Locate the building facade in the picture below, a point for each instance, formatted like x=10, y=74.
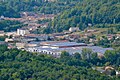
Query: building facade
x=22, y=32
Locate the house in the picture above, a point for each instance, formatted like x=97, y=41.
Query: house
x=108, y=67
x=91, y=30
x=32, y=26
x=67, y=32
x=92, y=40
x=110, y=36
x=20, y=45
x=2, y=18
x=11, y=46
x=56, y=36
x=9, y=40
x=26, y=14
x=50, y=0
x=43, y=25
x=118, y=36
x=50, y=16
x=33, y=44
x=118, y=73
x=47, y=16
x=39, y=37
x=105, y=70
x=100, y=69
x=74, y=37
x=10, y=33
x=74, y=29
x=22, y=32
x=25, y=40
x=59, y=37
x=2, y=33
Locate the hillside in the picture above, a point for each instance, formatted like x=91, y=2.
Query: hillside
x=72, y=13
x=38, y=46
x=95, y=12
x=13, y=8
x=8, y=25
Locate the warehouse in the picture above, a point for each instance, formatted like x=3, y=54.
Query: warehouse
x=70, y=50
x=61, y=44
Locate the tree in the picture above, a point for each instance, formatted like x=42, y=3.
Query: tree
x=94, y=58
x=86, y=53
x=113, y=72
x=118, y=61
x=64, y=54
x=110, y=56
x=77, y=56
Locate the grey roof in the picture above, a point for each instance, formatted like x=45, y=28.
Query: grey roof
x=76, y=49
x=64, y=44
x=99, y=49
x=67, y=44
x=33, y=42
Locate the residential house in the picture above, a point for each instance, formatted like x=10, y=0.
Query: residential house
x=91, y=30
x=74, y=37
x=74, y=29
x=110, y=36
x=22, y=32
x=39, y=37
x=44, y=25
x=11, y=46
x=2, y=18
x=33, y=44
x=10, y=33
x=20, y=45
x=2, y=33
x=118, y=73
x=9, y=40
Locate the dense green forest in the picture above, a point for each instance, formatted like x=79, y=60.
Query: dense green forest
x=12, y=8
x=98, y=13
x=9, y=26
x=21, y=65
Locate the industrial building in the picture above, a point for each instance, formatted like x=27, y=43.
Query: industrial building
x=61, y=44
x=55, y=48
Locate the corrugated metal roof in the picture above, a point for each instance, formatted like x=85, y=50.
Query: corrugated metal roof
x=61, y=43
x=75, y=49
x=67, y=44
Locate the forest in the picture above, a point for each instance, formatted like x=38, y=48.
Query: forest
x=89, y=13
x=13, y=8
x=9, y=26
x=21, y=65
